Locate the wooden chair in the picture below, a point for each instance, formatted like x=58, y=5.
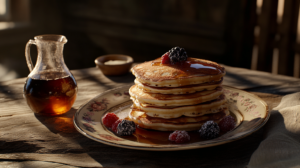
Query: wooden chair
x=275, y=47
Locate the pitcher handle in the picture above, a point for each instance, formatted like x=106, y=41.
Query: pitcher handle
x=27, y=54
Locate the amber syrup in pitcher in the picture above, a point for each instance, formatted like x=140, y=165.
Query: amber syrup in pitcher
x=50, y=97
x=50, y=88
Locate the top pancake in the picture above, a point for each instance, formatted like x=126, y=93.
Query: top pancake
x=192, y=71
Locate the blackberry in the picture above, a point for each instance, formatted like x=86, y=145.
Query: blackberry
x=177, y=54
x=125, y=127
x=209, y=130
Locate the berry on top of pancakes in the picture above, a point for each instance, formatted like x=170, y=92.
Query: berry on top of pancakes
x=176, y=54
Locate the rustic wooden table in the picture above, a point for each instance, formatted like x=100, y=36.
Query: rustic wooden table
x=27, y=140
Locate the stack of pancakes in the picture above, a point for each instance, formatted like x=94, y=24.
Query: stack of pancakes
x=180, y=96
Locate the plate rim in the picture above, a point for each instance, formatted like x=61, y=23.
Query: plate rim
x=171, y=148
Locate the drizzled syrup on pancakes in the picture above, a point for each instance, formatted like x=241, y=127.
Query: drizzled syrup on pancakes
x=192, y=67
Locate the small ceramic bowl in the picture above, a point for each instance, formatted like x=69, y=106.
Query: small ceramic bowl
x=115, y=67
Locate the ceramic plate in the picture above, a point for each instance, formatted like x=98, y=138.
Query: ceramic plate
x=251, y=113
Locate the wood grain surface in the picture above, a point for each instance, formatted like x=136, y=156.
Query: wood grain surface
x=29, y=140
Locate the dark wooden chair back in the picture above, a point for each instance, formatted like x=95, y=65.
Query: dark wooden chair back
x=275, y=47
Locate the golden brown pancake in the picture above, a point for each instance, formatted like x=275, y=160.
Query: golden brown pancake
x=190, y=72
x=181, y=123
x=178, y=90
x=150, y=99
x=213, y=106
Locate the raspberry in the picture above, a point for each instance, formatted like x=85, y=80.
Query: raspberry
x=209, y=130
x=173, y=136
x=179, y=137
x=227, y=124
x=115, y=125
x=109, y=119
x=125, y=127
x=165, y=59
x=177, y=54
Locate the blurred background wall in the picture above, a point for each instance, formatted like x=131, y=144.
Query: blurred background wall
x=218, y=30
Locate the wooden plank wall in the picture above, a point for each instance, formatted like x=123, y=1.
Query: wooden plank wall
x=209, y=29
x=218, y=30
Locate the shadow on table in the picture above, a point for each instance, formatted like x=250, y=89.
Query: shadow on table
x=62, y=124
x=284, y=89
x=256, y=83
x=12, y=91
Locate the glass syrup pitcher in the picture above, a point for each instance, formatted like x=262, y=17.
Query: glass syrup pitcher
x=50, y=88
